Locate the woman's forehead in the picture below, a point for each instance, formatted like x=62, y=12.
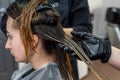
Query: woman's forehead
x=10, y=24
x=9, y=21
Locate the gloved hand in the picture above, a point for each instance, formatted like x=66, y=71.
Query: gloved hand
x=94, y=47
x=68, y=50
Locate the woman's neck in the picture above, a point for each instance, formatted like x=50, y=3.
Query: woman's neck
x=39, y=60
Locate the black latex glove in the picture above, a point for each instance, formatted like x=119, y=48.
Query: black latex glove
x=68, y=50
x=94, y=47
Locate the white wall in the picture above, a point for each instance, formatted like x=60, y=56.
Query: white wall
x=99, y=11
x=93, y=4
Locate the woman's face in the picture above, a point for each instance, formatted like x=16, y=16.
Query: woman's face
x=14, y=43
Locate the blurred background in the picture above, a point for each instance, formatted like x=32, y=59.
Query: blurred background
x=105, y=16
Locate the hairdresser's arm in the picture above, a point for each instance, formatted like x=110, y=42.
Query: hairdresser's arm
x=79, y=15
x=115, y=58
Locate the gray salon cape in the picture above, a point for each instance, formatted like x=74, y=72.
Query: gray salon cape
x=49, y=71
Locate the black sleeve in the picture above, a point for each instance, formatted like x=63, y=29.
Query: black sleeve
x=79, y=15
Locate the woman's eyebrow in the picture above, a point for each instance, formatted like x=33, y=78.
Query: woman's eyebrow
x=7, y=31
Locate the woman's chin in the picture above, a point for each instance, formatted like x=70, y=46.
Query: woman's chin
x=21, y=61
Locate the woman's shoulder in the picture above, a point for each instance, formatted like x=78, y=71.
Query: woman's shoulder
x=50, y=72
x=18, y=73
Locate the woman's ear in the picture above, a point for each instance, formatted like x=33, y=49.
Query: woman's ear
x=36, y=40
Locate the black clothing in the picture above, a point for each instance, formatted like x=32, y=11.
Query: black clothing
x=74, y=13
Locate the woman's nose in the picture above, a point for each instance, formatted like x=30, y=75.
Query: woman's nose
x=7, y=45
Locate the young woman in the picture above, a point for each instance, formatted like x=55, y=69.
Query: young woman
x=45, y=60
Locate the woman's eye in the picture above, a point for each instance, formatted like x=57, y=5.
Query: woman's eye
x=9, y=36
